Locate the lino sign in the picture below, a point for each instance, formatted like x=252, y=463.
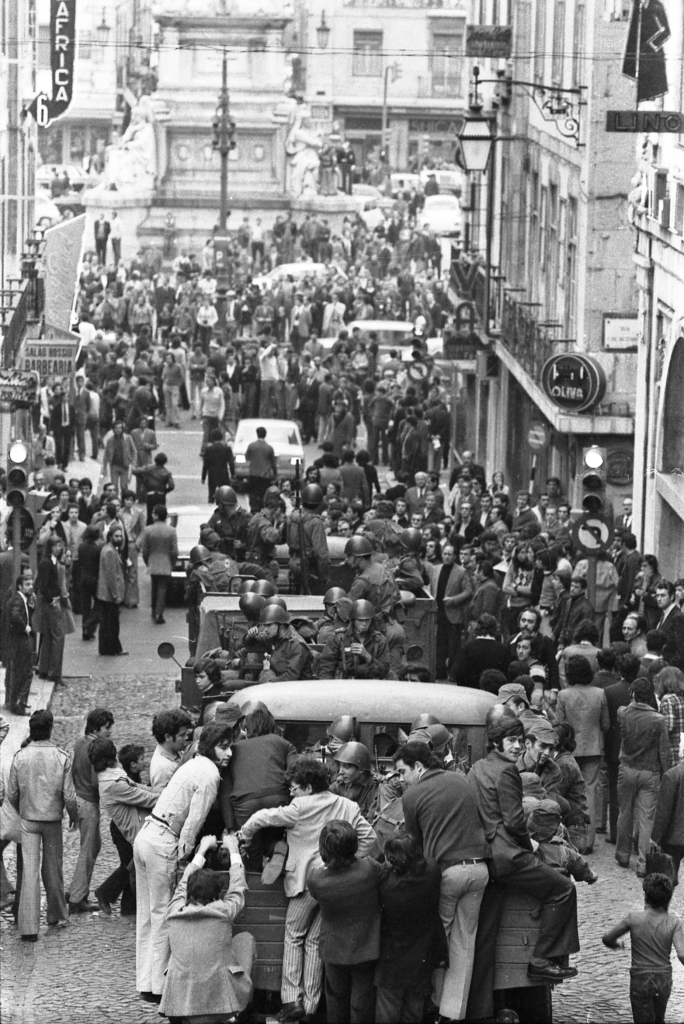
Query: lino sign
x=46, y=109
x=574, y=382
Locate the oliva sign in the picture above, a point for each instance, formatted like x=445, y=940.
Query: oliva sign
x=574, y=382
x=46, y=109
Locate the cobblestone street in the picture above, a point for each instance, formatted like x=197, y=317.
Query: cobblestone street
x=86, y=974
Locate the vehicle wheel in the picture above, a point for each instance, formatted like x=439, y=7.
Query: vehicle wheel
x=534, y=1005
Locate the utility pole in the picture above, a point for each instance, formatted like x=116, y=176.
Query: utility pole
x=393, y=70
x=223, y=140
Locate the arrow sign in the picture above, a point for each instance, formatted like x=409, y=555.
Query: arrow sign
x=45, y=109
x=592, y=534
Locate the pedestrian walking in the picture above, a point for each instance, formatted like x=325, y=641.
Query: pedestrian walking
x=111, y=588
x=119, y=457
x=157, y=481
x=159, y=549
x=263, y=468
x=89, y=571
x=99, y=725
x=50, y=619
x=19, y=674
x=40, y=788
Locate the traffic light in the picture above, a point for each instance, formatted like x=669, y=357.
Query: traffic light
x=216, y=133
x=231, y=133
x=17, y=474
x=593, y=479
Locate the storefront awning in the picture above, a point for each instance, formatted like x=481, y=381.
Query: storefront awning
x=561, y=421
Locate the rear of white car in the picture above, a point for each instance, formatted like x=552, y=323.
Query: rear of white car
x=283, y=436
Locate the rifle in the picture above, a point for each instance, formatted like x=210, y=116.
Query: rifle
x=304, y=585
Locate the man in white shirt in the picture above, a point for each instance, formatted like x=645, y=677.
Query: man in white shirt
x=115, y=237
x=171, y=730
x=270, y=378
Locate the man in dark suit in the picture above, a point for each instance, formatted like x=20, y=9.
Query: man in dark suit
x=50, y=592
x=467, y=529
x=617, y=696
x=20, y=668
x=453, y=591
x=671, y=624
x=62, y=421
x=415, y=496
x=81, y=413
x=102, y=229
x=623, y=523
x=159, y=546
x=529, y=621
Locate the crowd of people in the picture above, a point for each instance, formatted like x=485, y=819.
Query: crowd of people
x=585, y=735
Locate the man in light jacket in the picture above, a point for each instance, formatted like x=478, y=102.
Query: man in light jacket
x=311, y=807
x=159, y=546
x=111, y=587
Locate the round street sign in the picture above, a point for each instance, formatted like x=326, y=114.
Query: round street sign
x=28, y=530
x=537, y=438
x=592, y=534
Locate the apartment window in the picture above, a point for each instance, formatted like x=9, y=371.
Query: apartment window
x=578, y=44
x=522, y=13
x=85, y=46
x=43, y=56
x=533, y=238
x=540, y=41
x=558, y=49
x=562, y=239
x=552, y=252
x=367, y=59
x=446, y=63
x=678, y=223
x=571, y=270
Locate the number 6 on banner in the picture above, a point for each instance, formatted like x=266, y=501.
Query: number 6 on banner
x=40, y=110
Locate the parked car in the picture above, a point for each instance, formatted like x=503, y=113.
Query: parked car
x=305, y=268
x=186, y=520
x=442, y=214
x=391, y=334
x=449, y=180
x=283, y=436
x=401, y=182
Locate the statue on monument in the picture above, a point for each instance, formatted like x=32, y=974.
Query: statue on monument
x=132, y=162
x=303, y=147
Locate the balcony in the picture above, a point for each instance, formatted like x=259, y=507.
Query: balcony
x=21, y=305
x=529, y=343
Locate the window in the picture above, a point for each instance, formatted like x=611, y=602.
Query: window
x=578, y=44
x=678, y=224
x=533, y=238
x=446, y=64
x=571, y=270
x=43, y=48
x=552, y=253
x=540, y=41
x=85, y=46
x=558, y=49
x=543, y=215
x=367, y=58
x=562, y=239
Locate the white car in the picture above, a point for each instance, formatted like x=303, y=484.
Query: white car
x=297, y=271
x=391, y=334
x=442, y=214
x=283, y=436
x=186, y=519
x=448, y=180
x=404, y=182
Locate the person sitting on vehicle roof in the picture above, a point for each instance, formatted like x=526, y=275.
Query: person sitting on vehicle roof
x=355, y=778
x=544, y=825
x=229, y=520
x=265, y=530
x=289, y=655
x=375, y=583
x=541, y=740
x=357, y=652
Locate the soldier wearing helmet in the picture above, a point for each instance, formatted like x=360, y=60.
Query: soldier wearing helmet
x=375, y=583
x=409, y=571
x=308, y=544
x=230, y=523
x=266, y=528
x=358, y=651
x=332, y=620
x=289, y=654
x=355, y=779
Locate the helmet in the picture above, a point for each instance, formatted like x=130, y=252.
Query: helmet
x=343, y=728
x=358, y=546
x=199, y=554
x=271, y=497
x=423, y=721
x=439, y=735
x=356, y=754
x=411, y=539
x=264, y=587
x=362, y=610
x=246, y=587
x=276, y=599
x=251, y=605
x=274, y=613
x=333, y=595
x=225, y=496
x=312, y=496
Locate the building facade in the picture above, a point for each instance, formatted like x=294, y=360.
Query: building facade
x=421, y=45
x=562, y=280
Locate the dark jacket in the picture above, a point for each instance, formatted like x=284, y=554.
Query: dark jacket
x=488, y=599
x=478, y=655
x=47, y=581
x=440, y=810
x=673, y=628
x=645, y=740
x=497, y=788
x=256, y=774
x=218, y=464
x=617, y=696
x=350, y=911
x=668, y=824
x=412, y=939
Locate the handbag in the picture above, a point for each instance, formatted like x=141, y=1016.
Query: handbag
x=660, y=863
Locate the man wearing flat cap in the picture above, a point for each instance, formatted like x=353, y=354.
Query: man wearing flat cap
x=541, y=740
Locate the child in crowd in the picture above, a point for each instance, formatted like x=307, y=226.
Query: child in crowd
x=653, y=931
x=544, y=825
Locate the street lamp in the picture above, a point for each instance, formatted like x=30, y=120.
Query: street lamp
x=477, y=139
x=323, y=33
x=103, y=30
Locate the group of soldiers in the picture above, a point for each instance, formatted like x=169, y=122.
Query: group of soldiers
x=360, y=635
